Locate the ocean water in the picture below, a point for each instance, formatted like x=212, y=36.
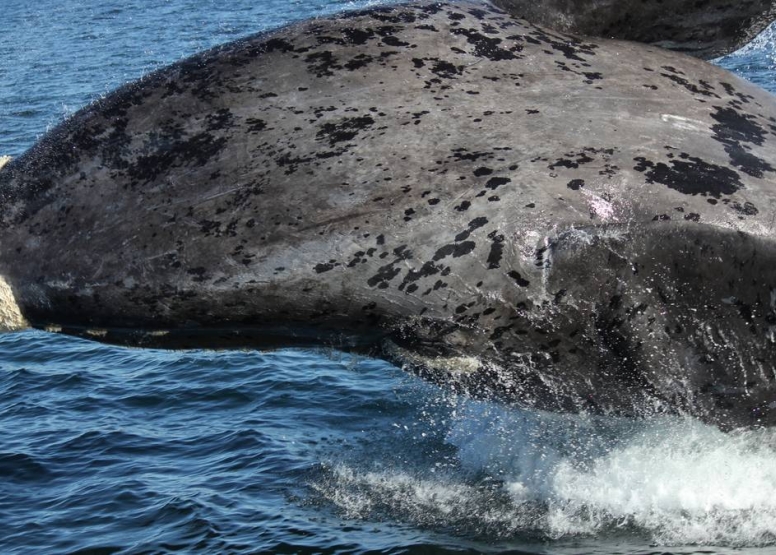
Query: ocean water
x=113, y=450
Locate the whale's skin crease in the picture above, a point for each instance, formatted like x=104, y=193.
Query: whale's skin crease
x=592, y=220
x=705, y=29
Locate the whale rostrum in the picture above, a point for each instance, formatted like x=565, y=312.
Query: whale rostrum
x=566, y=223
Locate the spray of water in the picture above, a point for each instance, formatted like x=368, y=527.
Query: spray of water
x=531, y=475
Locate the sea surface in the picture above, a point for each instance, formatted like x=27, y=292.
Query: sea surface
x=113, y=450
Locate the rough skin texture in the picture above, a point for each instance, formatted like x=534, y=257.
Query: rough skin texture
x=703, y=28
x=592, y=220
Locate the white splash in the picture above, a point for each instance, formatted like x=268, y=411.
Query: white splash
x=670, y=481
x=680, y=481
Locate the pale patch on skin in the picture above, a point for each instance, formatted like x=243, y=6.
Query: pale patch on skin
x=4, y=160
x=685, y=124
x=452, y=365
x=11, y=318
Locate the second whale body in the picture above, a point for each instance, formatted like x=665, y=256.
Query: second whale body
x=571, y=224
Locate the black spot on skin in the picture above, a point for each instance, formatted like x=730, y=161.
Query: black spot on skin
x=734, y=130
x=464, y=206
x=572, y=49
x=380, y=239
x=593, y=76
x=195, y=151
x=747, y=209
x=479, y=172
x=357, y=37
x=394, y=41
x=277, y=45
x=692, y=217
x=389, y=14
x=581, y=158
x=736, y=127
x=496, y=251
x=477, y=223
x=748, y=162
x=460, y=154
x=519, y=279
x=402, y=252
x=485, y=47
x=474, y=224
x=384, y=275
x=691, y=176
x=322, y=64
x=256, y=125
x=198, y=274
x=705, y=89
x=345, y=130
x=576, y=184
x=428, y=269
x=362, y=60
x=223, y=119
x=672, y=69
x=456, y=250
x=321, y=268
x=496, y=182
x=446, y=70
x=478, y=13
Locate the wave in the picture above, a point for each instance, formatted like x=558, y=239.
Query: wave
x=539, y=476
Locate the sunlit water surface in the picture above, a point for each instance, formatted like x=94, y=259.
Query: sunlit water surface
x=110, y=450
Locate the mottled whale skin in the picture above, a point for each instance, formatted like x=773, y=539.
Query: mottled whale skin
x=571, y=224
x=703, y=28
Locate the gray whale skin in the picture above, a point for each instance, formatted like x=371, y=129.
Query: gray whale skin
x=571, y=224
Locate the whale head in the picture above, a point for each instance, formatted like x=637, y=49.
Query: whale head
x=565, y=223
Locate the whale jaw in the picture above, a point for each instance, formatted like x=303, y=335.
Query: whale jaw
x=632, y=320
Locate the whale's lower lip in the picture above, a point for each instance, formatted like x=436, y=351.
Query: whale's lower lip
x=220, y=337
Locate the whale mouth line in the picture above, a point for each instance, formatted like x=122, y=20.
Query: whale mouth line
x=221, y=337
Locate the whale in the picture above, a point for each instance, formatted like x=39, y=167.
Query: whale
x=563, y=222
x=706, y=29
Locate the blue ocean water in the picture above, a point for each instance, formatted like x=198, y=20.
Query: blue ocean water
x=113, y=450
